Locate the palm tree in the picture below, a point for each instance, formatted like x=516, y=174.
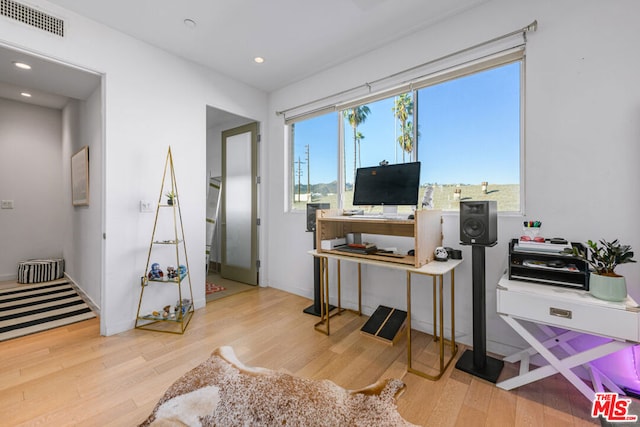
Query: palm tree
x=355, y=116
x=359, y=137
x=403, y=110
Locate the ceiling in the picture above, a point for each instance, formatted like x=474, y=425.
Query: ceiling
x=50, y=83
x=297, y=38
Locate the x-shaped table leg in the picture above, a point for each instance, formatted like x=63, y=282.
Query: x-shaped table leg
x=563, y=366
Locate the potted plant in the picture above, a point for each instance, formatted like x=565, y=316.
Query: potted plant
x=171, y=196
x=604, y=282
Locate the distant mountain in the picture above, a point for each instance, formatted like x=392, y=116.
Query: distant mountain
x=323, y=188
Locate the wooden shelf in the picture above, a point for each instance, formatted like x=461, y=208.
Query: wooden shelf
x=425, y=230
x=173, y=280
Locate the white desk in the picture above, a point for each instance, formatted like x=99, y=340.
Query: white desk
x=435, y=269
x=574, y=311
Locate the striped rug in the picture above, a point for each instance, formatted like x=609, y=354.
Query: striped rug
x=33, y=308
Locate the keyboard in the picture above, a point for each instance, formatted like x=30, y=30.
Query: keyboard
x=387, y=217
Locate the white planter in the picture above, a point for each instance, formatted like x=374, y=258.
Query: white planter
x=608, y=288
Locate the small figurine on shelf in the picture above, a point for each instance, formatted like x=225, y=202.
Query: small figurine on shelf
x=155, y=273
x=165, y=311
x=171, y=272
x=183, y=306
x=182, y=270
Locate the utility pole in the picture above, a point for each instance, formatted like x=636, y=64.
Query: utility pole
x=308, y=173
x=299, y=174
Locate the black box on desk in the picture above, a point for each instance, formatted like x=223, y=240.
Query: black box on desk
x=541, y=263
x=385, y=324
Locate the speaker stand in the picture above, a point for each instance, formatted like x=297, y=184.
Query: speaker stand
x=476, y=362
x=315, y=309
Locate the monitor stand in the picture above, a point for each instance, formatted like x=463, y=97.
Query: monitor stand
x=391, y=211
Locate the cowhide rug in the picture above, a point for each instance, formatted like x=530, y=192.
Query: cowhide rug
x=224, y=392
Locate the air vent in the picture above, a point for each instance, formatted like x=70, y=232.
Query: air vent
x=31, y=16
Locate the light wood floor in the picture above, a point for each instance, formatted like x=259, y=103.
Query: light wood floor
x=231, y=287
x=73, y=376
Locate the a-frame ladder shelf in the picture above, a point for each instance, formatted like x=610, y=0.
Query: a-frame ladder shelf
x=166, y=295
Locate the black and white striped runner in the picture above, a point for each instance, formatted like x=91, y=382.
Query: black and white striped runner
x=34, y=308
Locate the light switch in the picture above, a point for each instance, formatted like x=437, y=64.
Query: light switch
x=146, y=206
x=6, y=204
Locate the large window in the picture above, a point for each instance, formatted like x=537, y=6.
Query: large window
x=314, y=161
x=469, y=138
x=465, y=130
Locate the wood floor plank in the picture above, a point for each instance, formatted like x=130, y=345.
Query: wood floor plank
x=502, y=407
x=74, y=376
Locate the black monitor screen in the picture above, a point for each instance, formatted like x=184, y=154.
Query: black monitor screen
x=387, y=185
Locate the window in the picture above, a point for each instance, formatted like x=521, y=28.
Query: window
x=469, y=138
x=464, y=128
x=373, y=134
x=314, y=161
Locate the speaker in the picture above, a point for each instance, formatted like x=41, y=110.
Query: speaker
x=479, y=222
x=311, y=214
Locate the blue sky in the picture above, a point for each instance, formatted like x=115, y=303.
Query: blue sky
x=469, y=133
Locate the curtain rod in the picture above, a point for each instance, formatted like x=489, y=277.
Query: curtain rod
x=524, y=30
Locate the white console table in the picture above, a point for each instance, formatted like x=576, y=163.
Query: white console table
x=575, y=312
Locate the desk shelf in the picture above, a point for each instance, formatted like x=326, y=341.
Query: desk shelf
x=425, y=230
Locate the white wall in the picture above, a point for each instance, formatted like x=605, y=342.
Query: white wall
x=31, y=176
x=82, y=126
x=152, y=100
x=582, y=133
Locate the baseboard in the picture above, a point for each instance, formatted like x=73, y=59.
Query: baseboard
x=8, y=277
x=94, y=307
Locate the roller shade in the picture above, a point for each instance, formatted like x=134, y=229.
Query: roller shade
x=483, y=56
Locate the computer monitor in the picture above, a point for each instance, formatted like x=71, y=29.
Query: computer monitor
x=390, y=185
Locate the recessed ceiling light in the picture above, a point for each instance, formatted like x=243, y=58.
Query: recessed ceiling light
x=259, y=59
x=25, y=94
x=22, y=65
x=190, y=23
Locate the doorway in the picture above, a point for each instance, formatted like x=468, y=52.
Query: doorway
x=76, y=96
x=232, y=159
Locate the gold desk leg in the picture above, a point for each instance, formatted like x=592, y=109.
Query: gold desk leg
x=359, y=289
x=322, y=290
x=326, y=287
x=324, y=296
x=441, y=315
x=439, y=306
x=325, y=311
x=454, y=346
x=435, y=321
x=409, y=369
x=339, y=288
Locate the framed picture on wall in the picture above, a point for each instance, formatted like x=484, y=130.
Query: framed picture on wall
x=80, y=177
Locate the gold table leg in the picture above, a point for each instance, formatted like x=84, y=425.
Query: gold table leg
x=324, y=297
x=438, y=306
x=325, y=308
x=359, y=289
